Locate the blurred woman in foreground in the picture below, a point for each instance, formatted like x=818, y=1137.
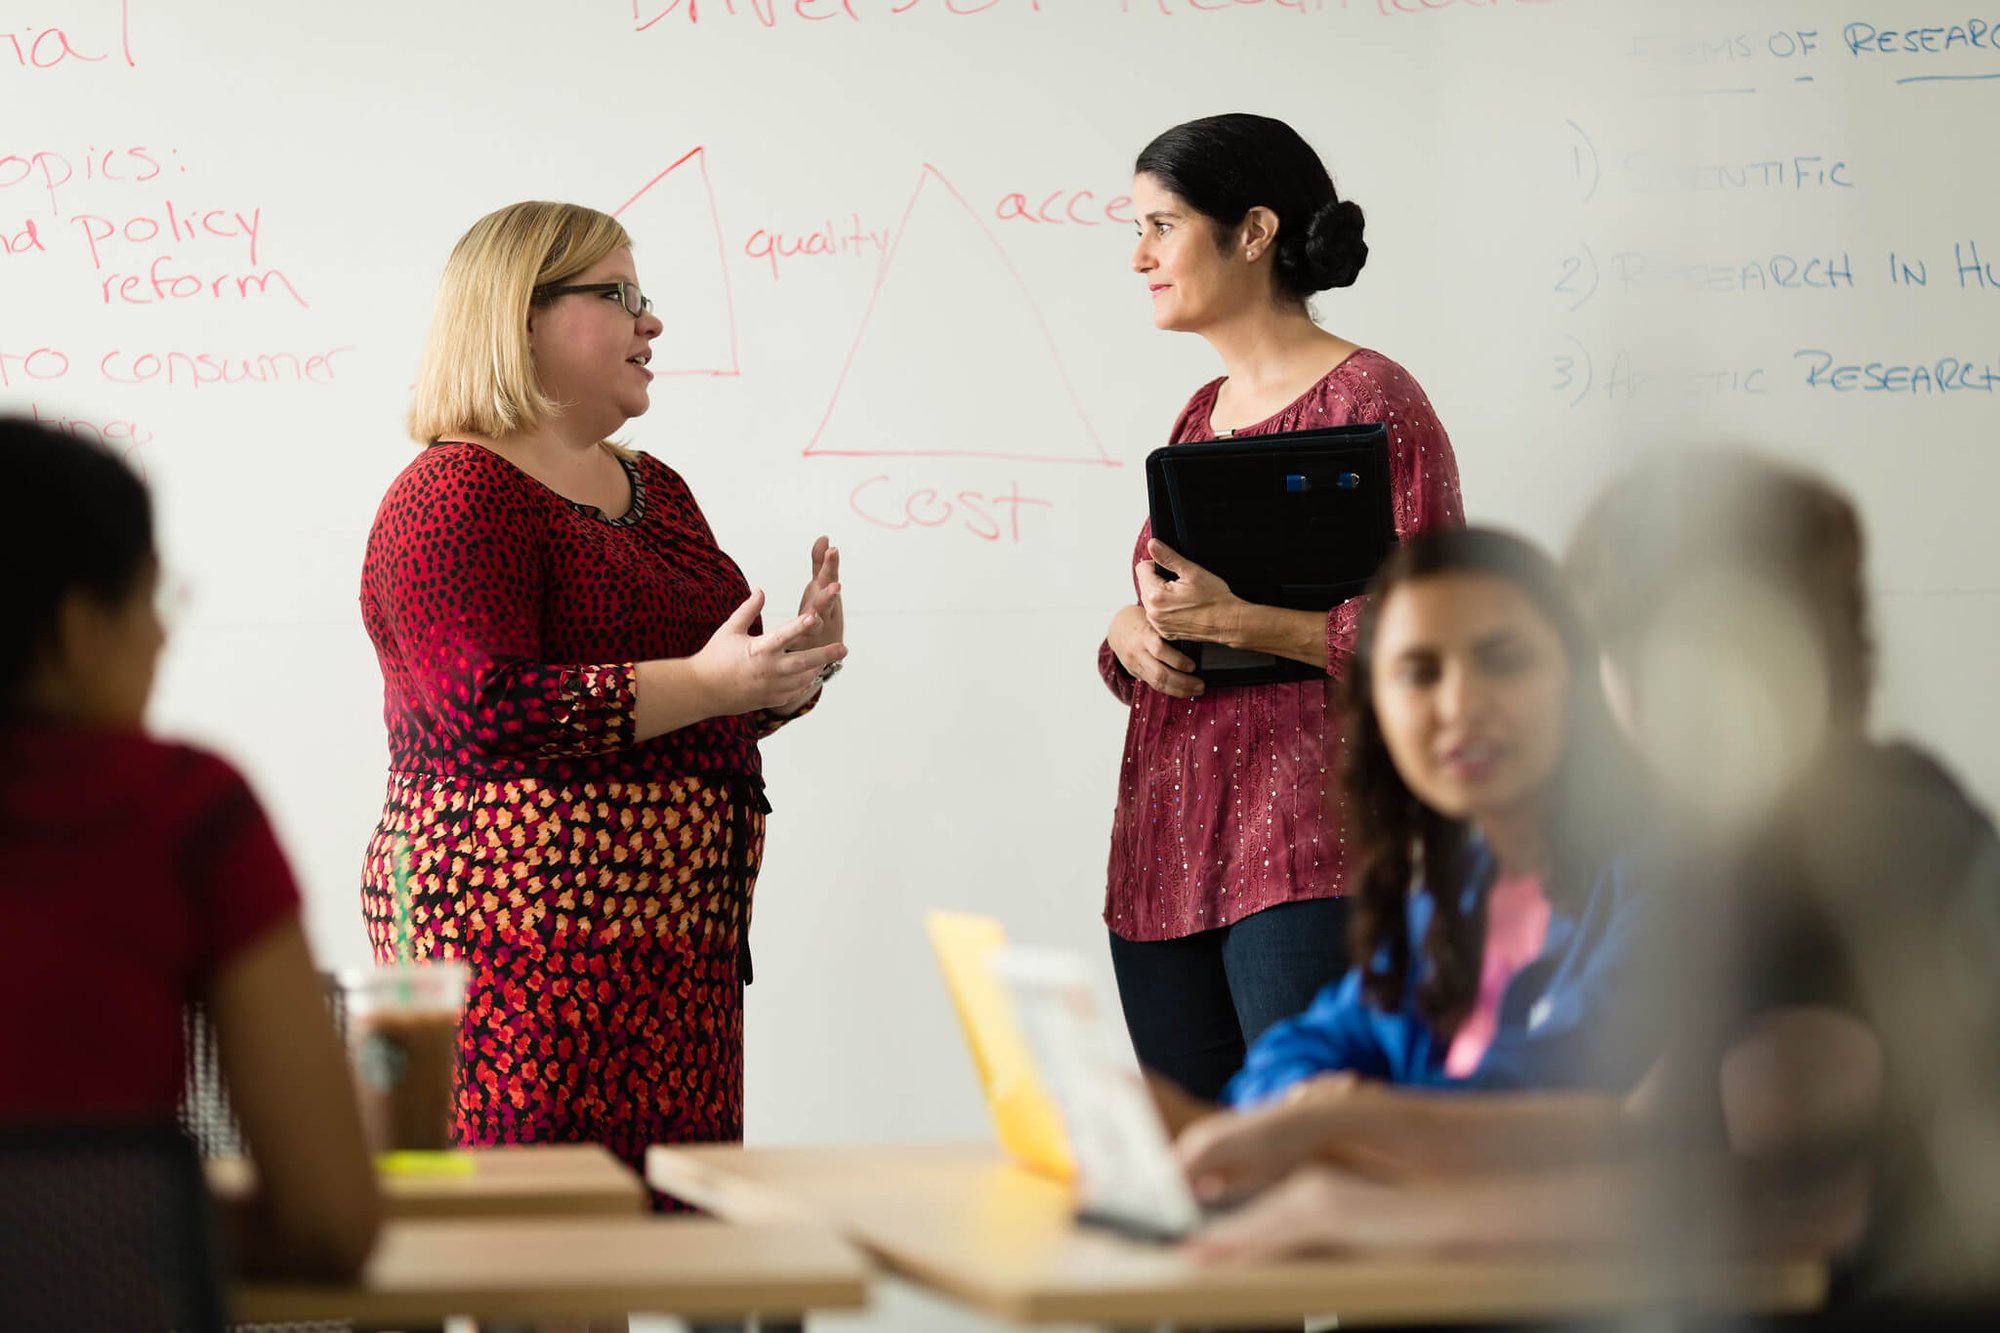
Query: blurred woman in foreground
x=1831, y=1078
x=138, y=876
x=1500, y=902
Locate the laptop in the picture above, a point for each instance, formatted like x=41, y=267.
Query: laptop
x=1057, y=1069
x=1127, y=1177
x=1300, y=520
x=1024, y=1113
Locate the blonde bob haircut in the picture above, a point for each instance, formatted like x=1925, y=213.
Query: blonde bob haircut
x=477, y=374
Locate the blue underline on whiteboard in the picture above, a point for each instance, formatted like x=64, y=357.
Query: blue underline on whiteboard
x=1947, y=78
x=1803, y=78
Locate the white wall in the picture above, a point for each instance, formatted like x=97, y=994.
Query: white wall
x=1508, y=155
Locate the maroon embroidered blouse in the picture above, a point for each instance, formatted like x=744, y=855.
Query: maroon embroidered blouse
x=1227, y=804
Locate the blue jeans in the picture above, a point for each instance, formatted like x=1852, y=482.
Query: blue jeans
x=1194, y=1005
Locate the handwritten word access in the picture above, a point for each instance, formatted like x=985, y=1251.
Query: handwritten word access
x=1079, y=208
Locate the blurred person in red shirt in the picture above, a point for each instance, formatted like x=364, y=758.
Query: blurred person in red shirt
x=139, y=876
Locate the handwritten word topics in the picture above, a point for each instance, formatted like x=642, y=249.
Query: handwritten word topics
x=51, y=170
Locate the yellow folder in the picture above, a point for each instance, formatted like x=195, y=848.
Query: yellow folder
x=1023, y=1111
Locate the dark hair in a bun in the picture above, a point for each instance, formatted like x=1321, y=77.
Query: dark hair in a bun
x=1224, y=166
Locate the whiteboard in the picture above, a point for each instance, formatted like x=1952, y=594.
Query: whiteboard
x=887, y=239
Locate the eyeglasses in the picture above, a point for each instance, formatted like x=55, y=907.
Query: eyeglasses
x=626, y=294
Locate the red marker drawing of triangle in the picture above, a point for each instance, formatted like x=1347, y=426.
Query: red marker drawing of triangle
x=953, y=358
x=677, y=235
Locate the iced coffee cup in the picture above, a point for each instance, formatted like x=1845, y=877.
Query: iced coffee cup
x=402, y=1036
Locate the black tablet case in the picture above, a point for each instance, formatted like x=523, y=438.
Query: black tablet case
x=1300, y=520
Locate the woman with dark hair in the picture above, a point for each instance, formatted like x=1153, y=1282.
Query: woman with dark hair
x=137, y=877
x=1499, y=904
x=1496, y=812
x=1830, y=1088
x=1227, y=871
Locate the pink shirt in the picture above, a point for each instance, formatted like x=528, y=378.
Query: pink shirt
x=1227, y=804
x=1517, y=924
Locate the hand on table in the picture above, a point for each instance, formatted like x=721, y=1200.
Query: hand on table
x=1318, y=1209
x=1234, y=1153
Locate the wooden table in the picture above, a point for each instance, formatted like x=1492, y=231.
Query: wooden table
x=963, y=1221
x=574, y=1268
x=553, y=1179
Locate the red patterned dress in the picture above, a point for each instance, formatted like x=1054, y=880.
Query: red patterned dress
x=598, y=889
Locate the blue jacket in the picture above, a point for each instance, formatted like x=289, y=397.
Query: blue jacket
x=1576, y=1017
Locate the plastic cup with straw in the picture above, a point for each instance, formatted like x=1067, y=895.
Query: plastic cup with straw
x=405, y=1016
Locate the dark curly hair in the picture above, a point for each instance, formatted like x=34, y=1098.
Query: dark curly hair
x=1224, y=166
x=1594, y=812
x=75, y=519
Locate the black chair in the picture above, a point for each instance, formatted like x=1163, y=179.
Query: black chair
x=210, y=1121
x=205, y=1111
x=105, y=1227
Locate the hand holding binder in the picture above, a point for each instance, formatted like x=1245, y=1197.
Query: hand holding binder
x=1297, y=521
x=1193, y=604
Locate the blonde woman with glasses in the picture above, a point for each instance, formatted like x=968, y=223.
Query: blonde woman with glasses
x=575, y=680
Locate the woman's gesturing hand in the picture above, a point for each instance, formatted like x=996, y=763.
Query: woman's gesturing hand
x=1194, y=604
x=822, y=598
x=1148, y=658
x=743, y=672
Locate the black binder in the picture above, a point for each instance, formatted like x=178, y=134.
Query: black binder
x=1300, y=520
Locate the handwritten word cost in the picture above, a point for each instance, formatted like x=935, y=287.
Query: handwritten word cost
x=990, y=516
